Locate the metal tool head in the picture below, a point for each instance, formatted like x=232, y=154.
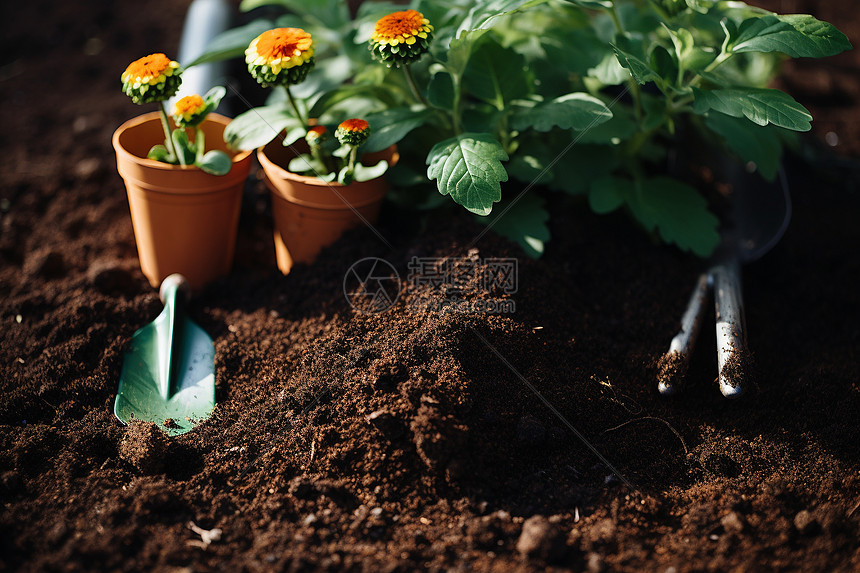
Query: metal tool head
x=761, y=213
x=168, y=376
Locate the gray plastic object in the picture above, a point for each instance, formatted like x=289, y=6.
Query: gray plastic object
x=205, y=20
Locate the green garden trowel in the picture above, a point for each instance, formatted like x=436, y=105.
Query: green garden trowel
x=168, y=376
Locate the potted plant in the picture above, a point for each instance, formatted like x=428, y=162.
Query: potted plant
x=320, y=185
x=184, y=200
x=586, y=97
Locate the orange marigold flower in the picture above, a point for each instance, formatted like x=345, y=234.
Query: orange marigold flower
x=280, y=56
x=316, y=135
x=401, y=37
x=152, y=78
x=353, y=132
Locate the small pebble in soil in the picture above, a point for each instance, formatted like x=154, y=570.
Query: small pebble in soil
x=805, y=522
x=732, y=523
x=144, y=446
x=540, y=539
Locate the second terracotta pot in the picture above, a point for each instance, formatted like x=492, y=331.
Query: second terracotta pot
x=310, y=214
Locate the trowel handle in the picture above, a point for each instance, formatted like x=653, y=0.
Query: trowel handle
x=174, y=286
x=682, y=344
x=731, y=327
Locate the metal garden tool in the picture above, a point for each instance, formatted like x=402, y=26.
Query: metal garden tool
x=760, y=215
x=168, y=376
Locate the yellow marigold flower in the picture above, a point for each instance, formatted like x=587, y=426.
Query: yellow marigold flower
x=353, y=132
x=189, y=111
x=281, y=56
x=401, y=38
x=152, y=78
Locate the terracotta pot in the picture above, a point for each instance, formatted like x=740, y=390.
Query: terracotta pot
x=310, y=214
x=184, y=220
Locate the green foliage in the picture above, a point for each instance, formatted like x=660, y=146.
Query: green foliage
x=585, y=97
x=468, y=168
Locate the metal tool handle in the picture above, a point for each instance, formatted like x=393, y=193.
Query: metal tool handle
x=173, y=285
x=731, y=328
x=675, y=362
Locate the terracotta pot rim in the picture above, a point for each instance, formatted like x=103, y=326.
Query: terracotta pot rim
x=153, y=164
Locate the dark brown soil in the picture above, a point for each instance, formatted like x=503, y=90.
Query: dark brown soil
x=406, y=440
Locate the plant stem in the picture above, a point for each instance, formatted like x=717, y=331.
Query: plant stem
x=295, y=107
x=410, y=79
x=353, y=155
x=613, y=13
x=199, y=142
x=168, y=139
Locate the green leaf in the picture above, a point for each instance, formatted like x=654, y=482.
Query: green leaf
x=216, y=163
x=460, y=51
x=334, y=13
x=609, y=71
x=368, y=172
x=677, y=212
x=390, y=126
x=257, y=127
x=496, y=74
x=578, y=111
x=701, y=6
x=184, y=148
x=306, y=163
x=760, y=144
x=232, y=43
x=523, y=221
x=607, y=194
x=796, y=35
x=581, y=165
x=759, y=105
x=468, y=168
x=632, y=58
x=440, y=90
x=160, y=153
x=484, y=15
x=621, y=126
x=592, y=4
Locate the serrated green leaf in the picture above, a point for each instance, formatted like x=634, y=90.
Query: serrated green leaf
x=607, y=194
x=259, y=126
x=630, y=56
x=796, y=35
x=678, y=213
x=760, y=144
x=759, y=105
x=216, y=162
x=496, y=74
x=523, y=221
x=232, y=43
x=468, y=168
x=390, y=126
x=578, y=111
